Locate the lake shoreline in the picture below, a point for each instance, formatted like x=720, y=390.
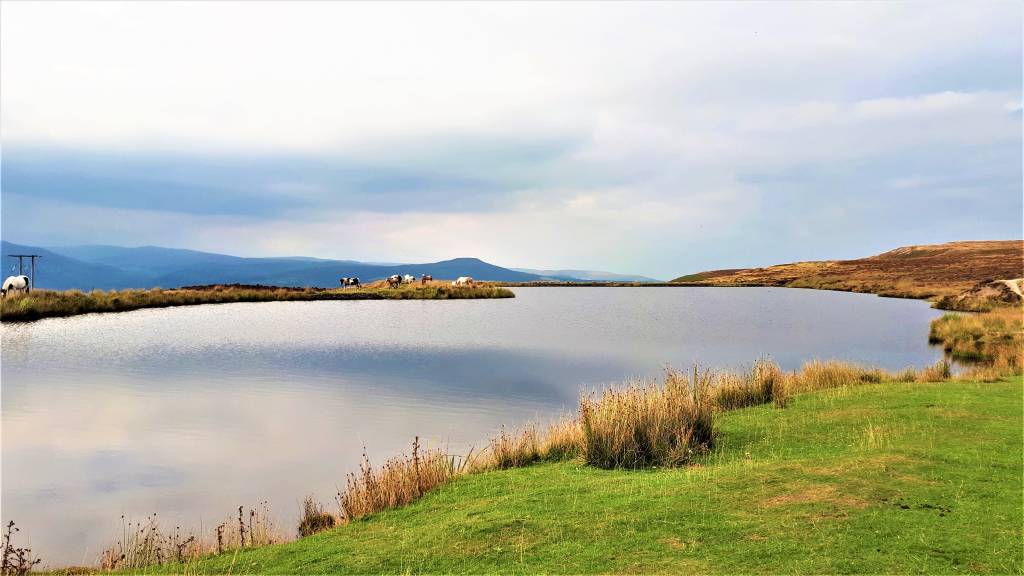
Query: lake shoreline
x=759, y=387
x=41, y=304
x=939, y=301
x=62, y=304
x=820, y=464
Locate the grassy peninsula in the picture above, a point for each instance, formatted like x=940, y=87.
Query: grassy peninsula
x=38, y=304
x=880, y=478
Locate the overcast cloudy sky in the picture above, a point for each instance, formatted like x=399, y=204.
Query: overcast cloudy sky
x=648, y=138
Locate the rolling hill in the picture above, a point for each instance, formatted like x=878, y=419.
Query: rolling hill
x=927, y=271
x=60, y=272
x=116, y=267
x=586, y=275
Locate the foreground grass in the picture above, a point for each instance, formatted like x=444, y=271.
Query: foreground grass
x=50, y=303
x=915, y=477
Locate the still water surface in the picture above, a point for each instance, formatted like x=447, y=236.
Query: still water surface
x=191, y=412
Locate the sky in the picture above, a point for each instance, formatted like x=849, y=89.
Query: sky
x=657, y=139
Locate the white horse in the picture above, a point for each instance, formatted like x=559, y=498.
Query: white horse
x=16, y=283
x=408, y=279
x=463, y=281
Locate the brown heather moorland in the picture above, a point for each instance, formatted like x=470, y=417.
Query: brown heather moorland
x=930, y=271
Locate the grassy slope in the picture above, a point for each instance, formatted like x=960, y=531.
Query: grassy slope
x=927, y=271
x=880, y=478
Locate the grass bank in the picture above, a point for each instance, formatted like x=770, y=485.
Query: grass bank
x=993, y=340
x=893, y=477
x=643, y=425
x=49, y=303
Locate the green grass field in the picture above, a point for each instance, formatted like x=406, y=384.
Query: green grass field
x=923, y=478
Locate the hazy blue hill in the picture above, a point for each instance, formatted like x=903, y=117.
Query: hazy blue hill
x=293, y=272
x=109, y=267
x=150, y=260
x=59, y=272
x=587, y=275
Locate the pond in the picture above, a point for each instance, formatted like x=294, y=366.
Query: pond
x=190, y=412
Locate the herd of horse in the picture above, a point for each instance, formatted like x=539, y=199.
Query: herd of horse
x=394, y=281
x=21, y=283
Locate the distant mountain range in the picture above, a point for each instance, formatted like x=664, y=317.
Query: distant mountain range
x=117, y=267
x=585, y=275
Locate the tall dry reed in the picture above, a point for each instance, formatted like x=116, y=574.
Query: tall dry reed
x=992, y=342
x=648, y=423
x=398, y=482
x=16, y=560
x=562, y=440
x=764, y=383
x=314, y=518
x=146, y=543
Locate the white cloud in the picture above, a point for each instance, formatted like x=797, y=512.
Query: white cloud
x=679, y=115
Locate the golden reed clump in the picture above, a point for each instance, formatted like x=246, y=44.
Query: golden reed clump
x=146, y=543
x=991, y=342
x=398, y=482
x=649, y=424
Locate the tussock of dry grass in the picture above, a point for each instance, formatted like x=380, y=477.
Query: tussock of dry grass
x=993, y=341
x=146, y=543
x=763, y=383
x=562, y=440
x=398, y=482
x=647, y=424
x=38, y=304
x=819, y=375
x=314, y=518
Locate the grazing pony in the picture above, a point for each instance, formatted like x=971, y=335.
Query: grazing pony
x=408, y=279
x=426, y=278
x=349, y=282
x=463, y=281
x=16, y=283
x=394, y=281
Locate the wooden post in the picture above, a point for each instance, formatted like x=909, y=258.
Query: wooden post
x=32, y=266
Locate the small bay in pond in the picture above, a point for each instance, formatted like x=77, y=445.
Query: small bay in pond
x=190, y=412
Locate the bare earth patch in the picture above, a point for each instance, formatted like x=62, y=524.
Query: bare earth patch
x=817, y=493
